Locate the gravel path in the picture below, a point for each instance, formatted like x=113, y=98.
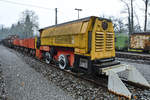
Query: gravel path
x=24, y=83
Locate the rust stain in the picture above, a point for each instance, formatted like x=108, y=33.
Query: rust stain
x=121, y=95
x=140, y=41
x=135, y=97
x=22, y=84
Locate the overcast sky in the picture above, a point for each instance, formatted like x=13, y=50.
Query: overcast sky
x=10, y=13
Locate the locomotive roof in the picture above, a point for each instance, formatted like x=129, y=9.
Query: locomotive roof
x=141, y=33
x=78, y=20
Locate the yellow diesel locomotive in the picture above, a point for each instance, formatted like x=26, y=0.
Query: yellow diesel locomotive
x=78, y=42
x=86, y=45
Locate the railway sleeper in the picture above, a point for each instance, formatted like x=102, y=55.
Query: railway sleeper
x=116, y=85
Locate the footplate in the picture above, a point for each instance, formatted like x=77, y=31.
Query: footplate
x=115, y=84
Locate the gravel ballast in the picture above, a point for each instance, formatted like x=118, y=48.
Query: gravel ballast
x=80, y=89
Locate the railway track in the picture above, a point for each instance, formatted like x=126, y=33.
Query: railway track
x=134, y=56
x=101, y=81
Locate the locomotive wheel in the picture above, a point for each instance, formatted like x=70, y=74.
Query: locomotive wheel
x=48, y=57
x=63, y=61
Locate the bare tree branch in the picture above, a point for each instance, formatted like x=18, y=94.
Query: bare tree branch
x=129, y=14
x=146, y=2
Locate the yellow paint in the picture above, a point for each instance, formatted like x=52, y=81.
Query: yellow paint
x=75, y=35
x=35, y=42
x=134, y=50
x=102, y=41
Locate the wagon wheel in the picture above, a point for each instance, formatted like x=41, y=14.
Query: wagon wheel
x=48, y=57
x=63, y=61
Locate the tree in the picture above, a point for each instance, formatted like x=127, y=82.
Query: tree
x=148, y=22
x=130, y=10
x=132, y=21
x=30, y=21
x=146, y=2
x=4, y=32
x=129, y=15
x=1, y=27
x=28, y=27
x=119, y=26
x=137, y=26
x=23, y=28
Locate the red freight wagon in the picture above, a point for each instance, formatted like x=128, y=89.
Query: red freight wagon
x=31, y=43
x=21, y=42
x=16, y=42
x=25, y=43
